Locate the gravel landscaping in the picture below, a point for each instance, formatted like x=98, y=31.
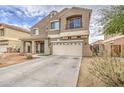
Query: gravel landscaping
x=7, y=59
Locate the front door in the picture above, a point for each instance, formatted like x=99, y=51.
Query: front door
x=41, y=47
x=29, y=49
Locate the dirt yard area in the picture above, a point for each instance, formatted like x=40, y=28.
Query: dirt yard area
x=86, y=79
x=10, y=59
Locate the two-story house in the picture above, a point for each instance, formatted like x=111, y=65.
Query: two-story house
x=9, y=37
x=60, y=33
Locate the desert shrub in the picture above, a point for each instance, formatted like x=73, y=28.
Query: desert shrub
x=109, y=70
x=29, y=56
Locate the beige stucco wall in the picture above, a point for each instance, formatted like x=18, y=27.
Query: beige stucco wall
x=15, y=34
x=46, y=47
x=86, y=49
x=85, y=19
x=14, y=44
x=13, y=37
x=118, y=41
x=115, y=42
x=41, y=26
x=122, y=50
x=107, y=49
x=62, y=17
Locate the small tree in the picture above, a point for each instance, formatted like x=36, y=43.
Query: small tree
x=112, y=19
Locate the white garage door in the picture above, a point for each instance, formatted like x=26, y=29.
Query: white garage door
x=68, y=48
x=3, y=48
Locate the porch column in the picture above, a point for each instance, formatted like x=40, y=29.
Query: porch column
x=33, y=47
x=46, y=47
x=22, y=49
x=38, y=47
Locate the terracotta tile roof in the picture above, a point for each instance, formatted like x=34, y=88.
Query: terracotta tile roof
x=15, y=27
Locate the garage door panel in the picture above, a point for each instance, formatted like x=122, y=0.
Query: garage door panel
x=73, y=49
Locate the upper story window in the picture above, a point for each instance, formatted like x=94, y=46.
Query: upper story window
x=35, y=31
x=2, y=32
x=74, y=22
x=55, y=25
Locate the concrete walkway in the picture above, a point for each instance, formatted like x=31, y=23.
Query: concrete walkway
x=47, y=71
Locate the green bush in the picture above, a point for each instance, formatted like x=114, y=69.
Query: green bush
x=29, y=57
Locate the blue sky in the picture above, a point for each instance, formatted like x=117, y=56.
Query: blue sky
x=26, y=16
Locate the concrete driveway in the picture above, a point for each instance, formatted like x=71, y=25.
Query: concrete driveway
x=47, y=71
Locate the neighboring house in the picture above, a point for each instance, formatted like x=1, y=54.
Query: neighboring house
x=61, y=33
x=9, y=37
x=113, y=45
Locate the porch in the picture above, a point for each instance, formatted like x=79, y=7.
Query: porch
x=35, y=46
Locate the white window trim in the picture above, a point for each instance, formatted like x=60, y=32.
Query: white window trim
x=54, y=21
x=54, y=29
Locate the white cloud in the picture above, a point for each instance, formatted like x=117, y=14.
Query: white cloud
x=37, y=10
x=31, y=11
x=34, y=10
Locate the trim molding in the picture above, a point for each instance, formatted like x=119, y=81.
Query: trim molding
x=76, y=33
x=84, y=32
x=54, y=36
x=54, y=21
x=67, y=41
